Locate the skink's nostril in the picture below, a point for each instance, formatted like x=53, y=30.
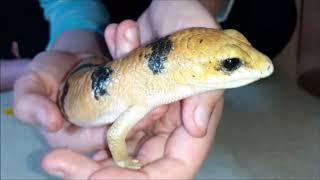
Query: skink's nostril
x=269, y=69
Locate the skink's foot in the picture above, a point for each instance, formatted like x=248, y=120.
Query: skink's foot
x=129, y=163
x=118, y=132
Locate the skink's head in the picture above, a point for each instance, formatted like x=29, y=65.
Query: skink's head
x=224, y=59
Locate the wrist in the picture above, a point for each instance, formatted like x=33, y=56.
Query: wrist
x=176, y=15
x=65, y=15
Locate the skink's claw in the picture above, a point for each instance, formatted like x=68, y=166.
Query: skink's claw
x=129, y=163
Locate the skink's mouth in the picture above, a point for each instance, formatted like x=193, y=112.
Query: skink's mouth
x=239, y=80
x=224, y=84
x=267, y=72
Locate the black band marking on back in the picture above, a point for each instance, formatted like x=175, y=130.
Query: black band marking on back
x=160, y=52
x=63, y=96
x=101, y=78
x=83, y=66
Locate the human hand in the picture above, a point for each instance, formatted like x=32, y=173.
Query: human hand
x=165, y=147
x=165, y=17
x=153, y=24
x=35, y=95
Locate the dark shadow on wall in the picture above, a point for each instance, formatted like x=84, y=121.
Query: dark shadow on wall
x=269, y=25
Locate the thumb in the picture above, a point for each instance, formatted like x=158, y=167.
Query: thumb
x=35, y=92
x=69, y=165
x=197, y=110
x=32, y=105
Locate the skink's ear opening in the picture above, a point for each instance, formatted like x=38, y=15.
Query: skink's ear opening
x=237, y=35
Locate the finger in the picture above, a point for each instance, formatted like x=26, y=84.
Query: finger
x=15, y=49
x=197, y=110
x=69, y=165
x=185, y=154
x=159, y=111
x=76, y=138
x=127, y=37
x=150, y=118
x=153, y=148
x=52, y=67
x=142, y=140
x=113, y=172
x=35, y=92
x=30, y=91
x=101, y=155
x=110, y=37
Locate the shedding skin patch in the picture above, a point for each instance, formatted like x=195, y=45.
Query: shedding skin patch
x=158, y=57
x=101, y=78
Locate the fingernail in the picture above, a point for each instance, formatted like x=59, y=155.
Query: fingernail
x=202, y=115
x=132, y=34
x=59, y=174
x=42, y=119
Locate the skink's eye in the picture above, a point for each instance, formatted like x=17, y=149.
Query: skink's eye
x=231, y=64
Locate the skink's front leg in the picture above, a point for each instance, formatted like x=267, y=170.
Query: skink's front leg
x=117, y=135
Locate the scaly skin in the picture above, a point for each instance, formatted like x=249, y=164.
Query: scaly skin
x=186, y=63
